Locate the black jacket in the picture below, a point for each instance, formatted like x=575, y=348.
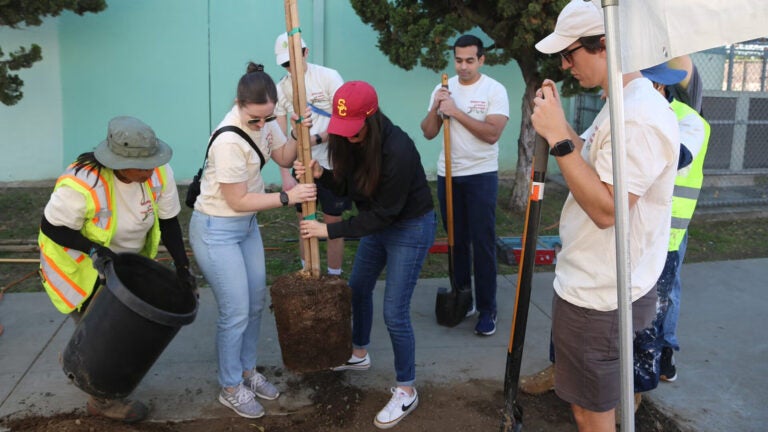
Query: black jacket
x=402, y=192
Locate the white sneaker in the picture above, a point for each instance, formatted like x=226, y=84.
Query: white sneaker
x=258, y=384
x=241, y=402
x=355, y=363
x=396, y=409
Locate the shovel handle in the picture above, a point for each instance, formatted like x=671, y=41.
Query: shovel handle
x=448, y=182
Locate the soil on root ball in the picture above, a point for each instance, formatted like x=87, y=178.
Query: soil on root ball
x=313, y=318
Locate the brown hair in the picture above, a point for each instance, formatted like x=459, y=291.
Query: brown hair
x=256, y=86
x=361, y=161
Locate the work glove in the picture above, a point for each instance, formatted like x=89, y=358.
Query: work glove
x=101, y=255
x=187, y=280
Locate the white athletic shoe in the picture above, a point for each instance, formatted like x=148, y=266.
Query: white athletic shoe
x=396, y=409
x=355, y=363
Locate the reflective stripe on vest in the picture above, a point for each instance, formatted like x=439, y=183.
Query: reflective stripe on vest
x=688, y=186
x=56, y=279
x=68, y=275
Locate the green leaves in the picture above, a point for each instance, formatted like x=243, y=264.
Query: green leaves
x=30, y=13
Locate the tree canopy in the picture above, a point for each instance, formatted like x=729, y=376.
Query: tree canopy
x=419, y=33
x=30, y=13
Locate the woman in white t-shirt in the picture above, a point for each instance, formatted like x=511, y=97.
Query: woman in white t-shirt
x=121, y=197
x=224, y=233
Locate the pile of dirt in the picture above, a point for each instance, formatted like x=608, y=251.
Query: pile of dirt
x=470, y=406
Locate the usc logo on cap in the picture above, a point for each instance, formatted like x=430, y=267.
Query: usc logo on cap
x=341, y=107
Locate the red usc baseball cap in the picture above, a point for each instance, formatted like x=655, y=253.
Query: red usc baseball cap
x=353, y=102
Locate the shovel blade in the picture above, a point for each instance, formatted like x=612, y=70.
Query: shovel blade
x=452, y=305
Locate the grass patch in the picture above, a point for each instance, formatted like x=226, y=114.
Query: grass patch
x=23, y=207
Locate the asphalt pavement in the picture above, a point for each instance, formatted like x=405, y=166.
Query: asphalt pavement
x=722, y=368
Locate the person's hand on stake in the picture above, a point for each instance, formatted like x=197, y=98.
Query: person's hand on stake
x=299, y=169
x=312, y=228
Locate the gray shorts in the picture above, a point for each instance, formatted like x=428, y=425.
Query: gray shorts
x=586, y=343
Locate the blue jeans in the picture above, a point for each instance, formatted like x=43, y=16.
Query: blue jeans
x=230, y=253
x=669, y=332
x=401, y=248
x=474, y=234
x=649, y=342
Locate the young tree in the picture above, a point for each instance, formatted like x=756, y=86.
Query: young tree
x=418, y=32
x=30, y=13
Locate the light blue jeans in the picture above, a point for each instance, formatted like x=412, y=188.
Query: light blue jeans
x=230, y=252
x=401, y=248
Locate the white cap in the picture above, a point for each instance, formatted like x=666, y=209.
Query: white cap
x=281, y=48
x=578, y=18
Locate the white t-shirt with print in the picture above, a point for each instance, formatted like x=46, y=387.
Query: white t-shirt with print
x=232, y=160
x=585, y=274
x=321, y=84
x=469, y=154
x=133, y=211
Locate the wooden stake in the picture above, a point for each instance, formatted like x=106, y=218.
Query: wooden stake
x=308, y=209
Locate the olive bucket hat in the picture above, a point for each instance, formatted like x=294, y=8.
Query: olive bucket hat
x=131, y=143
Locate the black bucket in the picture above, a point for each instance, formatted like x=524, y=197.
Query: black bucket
x=127, y=326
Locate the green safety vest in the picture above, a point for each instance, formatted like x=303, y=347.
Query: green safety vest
x=68, y=274
x=688, y=185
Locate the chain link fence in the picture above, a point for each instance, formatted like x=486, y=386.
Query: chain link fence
x=735, y=81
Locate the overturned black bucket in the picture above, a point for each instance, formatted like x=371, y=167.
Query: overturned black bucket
x=127, y=326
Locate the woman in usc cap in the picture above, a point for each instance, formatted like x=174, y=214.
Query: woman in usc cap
x=377, y=165
x=121, y=197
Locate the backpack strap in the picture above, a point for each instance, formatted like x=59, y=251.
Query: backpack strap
x=242, y=134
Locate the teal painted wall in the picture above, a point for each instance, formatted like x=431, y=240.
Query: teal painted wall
x=175, y=64
x=31, y=131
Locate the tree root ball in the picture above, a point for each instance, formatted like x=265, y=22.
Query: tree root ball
x=313, y=318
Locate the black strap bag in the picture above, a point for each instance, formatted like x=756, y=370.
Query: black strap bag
x=194, y=187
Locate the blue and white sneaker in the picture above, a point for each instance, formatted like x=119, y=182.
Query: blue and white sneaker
x=355, y=363
x=397, y=408
x=486, y=324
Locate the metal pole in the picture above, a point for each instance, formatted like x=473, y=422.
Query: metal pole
x=731, y=56
x=621, y=205
x=762, y=71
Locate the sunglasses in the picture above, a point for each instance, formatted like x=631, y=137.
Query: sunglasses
x=286, y=64
x=257, y=120
x=568, y=55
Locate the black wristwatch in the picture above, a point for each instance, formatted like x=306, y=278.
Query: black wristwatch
x=562, y=148
x=318, y=139
x=284, y=198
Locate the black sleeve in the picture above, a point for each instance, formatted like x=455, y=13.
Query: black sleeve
x=388, y=200
x=328, y=181
x=170, y=233
x=66, y=236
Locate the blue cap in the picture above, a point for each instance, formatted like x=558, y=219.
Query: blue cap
x=663, y=74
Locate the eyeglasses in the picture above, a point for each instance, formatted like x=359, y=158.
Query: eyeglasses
x=257, y=120
x=568, y=55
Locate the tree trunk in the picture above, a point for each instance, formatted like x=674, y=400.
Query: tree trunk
x=520, y=191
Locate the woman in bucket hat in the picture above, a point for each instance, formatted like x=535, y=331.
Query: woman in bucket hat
x=224, y=233
x=377, y=165
x=121, y=197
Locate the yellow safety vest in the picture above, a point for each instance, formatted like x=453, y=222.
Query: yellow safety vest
x=67, y=274
x=688, y=186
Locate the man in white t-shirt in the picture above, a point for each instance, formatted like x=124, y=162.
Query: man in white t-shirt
x=584, y=308
x=320, y=84
x=479, y=109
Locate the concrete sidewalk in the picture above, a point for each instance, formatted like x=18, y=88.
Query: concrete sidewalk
x=723, y=372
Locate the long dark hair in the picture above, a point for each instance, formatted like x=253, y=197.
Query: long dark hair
x=256, y=86
x=88, y=160
x=361, y=161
